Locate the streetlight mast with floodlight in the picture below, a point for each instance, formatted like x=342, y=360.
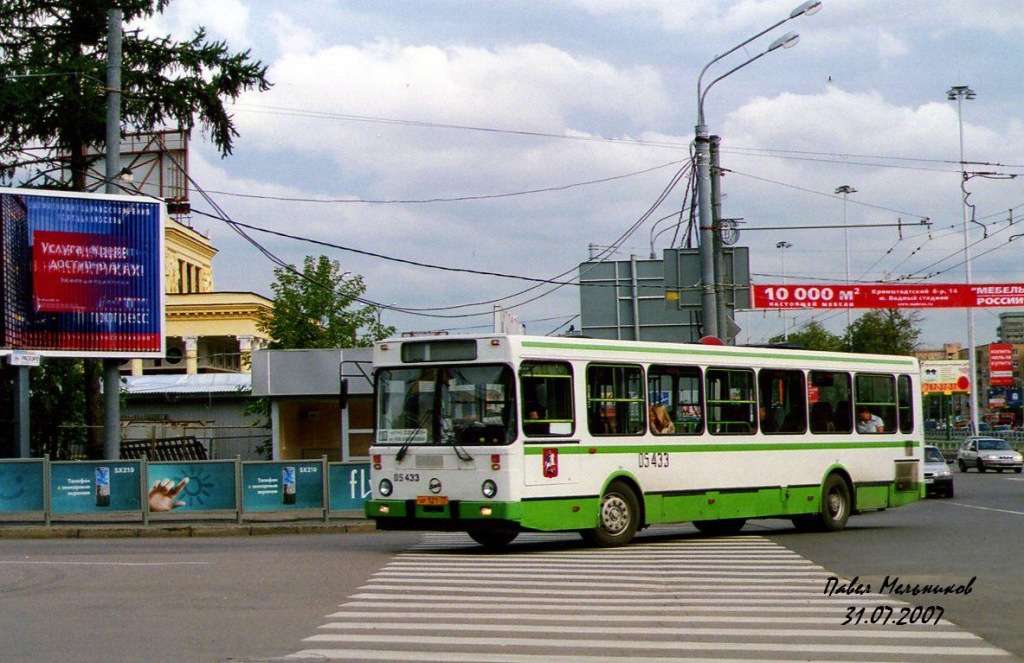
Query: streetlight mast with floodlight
x=782, y=246
x=958, y=93
x=846, y=190
x=703, y=158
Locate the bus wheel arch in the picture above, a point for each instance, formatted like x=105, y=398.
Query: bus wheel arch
x=620, y=514
x=835, y=508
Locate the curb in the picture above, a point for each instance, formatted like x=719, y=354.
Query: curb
x=163, y=530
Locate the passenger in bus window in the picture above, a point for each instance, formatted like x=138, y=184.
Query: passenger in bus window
x=868, y=422
x=768, y=423
x=661, y=422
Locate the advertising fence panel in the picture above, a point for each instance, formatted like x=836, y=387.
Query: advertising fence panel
x=350, y=486
x=133, y=490
x=288, y=485
x=95, y=487
x=21, y=486
x=192, y=486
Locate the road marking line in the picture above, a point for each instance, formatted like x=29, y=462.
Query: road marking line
x=987, y=508
x=42, y=563
x=830, y=646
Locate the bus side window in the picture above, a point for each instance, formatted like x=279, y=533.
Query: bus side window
x=783, y=403
x=675, y=395
x=615, y=400
x=546, y=391
x=905, y=404
x=828, y=396
x=730, y=397
x=875, y=397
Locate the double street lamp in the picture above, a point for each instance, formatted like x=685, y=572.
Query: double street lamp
x=709, y=312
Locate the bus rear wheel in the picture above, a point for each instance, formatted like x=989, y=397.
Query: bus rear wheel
x=723, y=527
x=618, y=517
x=836, y=506
x=492, y=540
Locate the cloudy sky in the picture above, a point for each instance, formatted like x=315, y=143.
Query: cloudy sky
x=511, y=137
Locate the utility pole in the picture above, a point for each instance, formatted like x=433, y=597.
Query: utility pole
x=111, y=367
x=721, y=312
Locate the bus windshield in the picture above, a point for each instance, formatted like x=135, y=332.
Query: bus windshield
x=431, y=405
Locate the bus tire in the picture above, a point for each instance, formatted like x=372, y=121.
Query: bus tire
x=618, y=517
x=836, y=504
x=492, y=540
x=835, y=509
x=724, y=527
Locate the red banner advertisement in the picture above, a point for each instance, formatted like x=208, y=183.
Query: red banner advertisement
x=1000, y=365
x=936, y=295
x=83, y=272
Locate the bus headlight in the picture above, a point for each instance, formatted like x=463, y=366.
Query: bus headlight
x=489, y=488
x=385, y=487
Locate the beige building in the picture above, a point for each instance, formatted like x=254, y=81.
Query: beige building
x=206, y=331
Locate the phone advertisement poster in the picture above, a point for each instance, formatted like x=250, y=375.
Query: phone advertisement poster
x=274, y=486
x=95, y=487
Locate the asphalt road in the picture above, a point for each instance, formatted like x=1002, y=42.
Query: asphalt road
x=256, y=598
x=978, y=533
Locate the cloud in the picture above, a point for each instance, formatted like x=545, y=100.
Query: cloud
x=229, y=22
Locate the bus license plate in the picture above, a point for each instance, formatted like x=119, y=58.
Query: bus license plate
x=432, y=500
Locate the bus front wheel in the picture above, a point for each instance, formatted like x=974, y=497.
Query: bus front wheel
x=618, y=517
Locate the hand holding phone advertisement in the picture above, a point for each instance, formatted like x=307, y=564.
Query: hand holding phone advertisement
x=163, y=493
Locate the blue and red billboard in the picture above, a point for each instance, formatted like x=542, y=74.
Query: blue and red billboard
x=82, y=274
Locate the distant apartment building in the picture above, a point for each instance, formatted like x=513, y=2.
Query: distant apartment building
x=947, y=352
x=1011, y=327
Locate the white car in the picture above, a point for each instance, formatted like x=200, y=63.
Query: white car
x=938, y=479
x=988, y=453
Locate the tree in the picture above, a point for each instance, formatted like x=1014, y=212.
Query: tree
x=314, y=308
x=57, y=408
x=813, y=337
x=53, y=57
x=53, y=96
x=886, y=332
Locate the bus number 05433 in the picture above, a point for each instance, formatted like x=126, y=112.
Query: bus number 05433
x=657, y=459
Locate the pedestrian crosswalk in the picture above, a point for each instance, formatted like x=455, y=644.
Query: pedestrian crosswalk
x=548, y=598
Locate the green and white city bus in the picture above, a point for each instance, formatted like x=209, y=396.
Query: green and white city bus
x=499, y=434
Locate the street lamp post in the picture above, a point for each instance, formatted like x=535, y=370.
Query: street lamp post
x=782, y=246
x=846, y=190
x=709, y=312
x=958, y=93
